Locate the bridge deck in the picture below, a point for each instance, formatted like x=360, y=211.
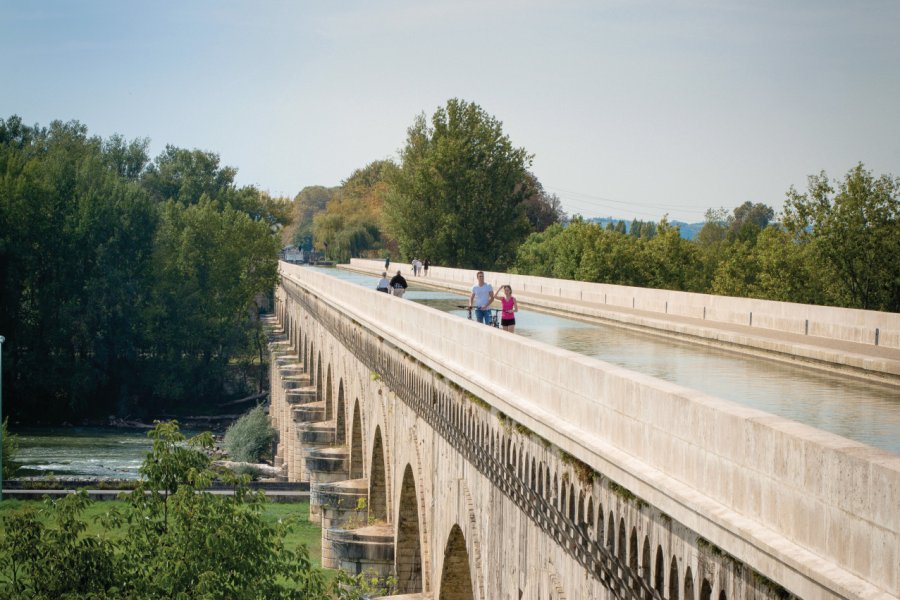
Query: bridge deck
x=862, y=360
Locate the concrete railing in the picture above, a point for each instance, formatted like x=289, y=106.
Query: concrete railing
x=807, y=508
x=843, y=324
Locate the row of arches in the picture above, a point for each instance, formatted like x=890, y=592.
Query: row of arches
x=590, y=530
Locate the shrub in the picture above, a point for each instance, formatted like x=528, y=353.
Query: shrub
x=10, y=447
x=250, y=437
x=179, y=541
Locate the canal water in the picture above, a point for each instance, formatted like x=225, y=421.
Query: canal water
x=861, y=411
x=855, y=409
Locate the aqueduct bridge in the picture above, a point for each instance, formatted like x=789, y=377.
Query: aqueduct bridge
x=471, y=463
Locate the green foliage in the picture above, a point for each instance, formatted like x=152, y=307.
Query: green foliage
x=837, y=245
x=853, y=229
x=10, y=449
x=250, y=438
x=124, y=286
x=458, y=195
x=179, y=542
x=364, y=585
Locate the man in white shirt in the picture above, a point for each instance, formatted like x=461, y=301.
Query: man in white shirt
x=481, y=298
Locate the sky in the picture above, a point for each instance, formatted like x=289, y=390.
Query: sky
x=631, y=109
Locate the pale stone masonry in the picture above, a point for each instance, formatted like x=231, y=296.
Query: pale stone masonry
x=510, y=469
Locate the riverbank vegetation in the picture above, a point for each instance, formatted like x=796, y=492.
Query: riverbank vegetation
x=127, y=286
x=168, y=538
x=463, y=196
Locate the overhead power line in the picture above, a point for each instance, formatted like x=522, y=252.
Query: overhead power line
x=598, y=204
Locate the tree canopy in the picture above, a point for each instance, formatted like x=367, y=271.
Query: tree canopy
x=125, y=286
x=458, y=194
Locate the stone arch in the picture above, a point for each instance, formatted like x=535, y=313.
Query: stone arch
x=622, y=549
x=633, y=559
x=377, y=480
x=319, y=386
x=645, y=563
x=409, y=546
x=329, y=397
x=589, y=521
x=688, y=585
x=705, y=590
x=660, y=577
x=340, y=423
x=456, y=576
x=722, y=595
x=673, y=580
x=611, y=534
x=572, y=516
x=356, y=444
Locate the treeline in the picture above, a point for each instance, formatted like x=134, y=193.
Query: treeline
x=461, y=195
x=837, y=244
x=126, y=285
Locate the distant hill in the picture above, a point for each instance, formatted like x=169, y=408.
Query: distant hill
x=687, y=230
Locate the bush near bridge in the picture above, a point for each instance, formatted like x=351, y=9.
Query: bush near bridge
x=171, y=539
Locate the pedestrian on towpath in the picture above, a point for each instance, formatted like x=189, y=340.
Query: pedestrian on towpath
x=425, y=267
x=509, y=308
x=399, y=285
x=481, y=298
x=383, y=284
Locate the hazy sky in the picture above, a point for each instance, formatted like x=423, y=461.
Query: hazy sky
x=631, y=109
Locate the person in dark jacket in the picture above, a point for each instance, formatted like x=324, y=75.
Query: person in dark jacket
x=398, y=285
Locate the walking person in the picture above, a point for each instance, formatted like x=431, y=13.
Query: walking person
x=387, y=262
x=383, y=284
x=399, y=285
x=509, y=308
x=481, y=298
x=425, y=267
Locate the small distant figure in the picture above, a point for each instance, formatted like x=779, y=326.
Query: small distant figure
x=415, y=267
x=425, y=267
x=387, y=262
x=481, y=298
x=399, y=285
x=383, y=284
x=509, y=308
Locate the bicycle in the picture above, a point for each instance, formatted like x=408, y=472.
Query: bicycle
x=495, y=314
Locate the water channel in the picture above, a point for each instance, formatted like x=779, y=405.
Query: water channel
x=861, y=411
x=855, y=409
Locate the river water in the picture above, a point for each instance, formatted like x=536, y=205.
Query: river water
x=855, y=409
x=81, y=452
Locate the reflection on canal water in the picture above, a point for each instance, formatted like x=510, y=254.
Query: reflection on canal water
x=858, y=410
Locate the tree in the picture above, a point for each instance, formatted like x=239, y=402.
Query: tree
x=541, y=208
x=351, y=223
x=177, y=540
x=309, y=202
x=854, y=230
x=209, y=265
x=458, y=194
x=186, y=175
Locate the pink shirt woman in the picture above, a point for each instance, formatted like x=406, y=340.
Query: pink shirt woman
x=509, y=307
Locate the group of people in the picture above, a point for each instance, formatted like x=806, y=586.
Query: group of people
x=419, y=266
x=482, y=296
x=396, y=285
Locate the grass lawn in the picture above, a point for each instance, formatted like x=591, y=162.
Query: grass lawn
x=303, y=532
